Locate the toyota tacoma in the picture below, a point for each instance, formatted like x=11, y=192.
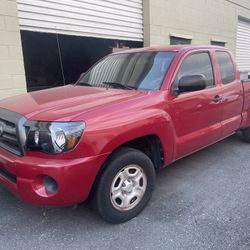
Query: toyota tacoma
x=130, y=114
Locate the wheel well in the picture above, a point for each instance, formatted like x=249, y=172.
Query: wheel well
x=149, y=145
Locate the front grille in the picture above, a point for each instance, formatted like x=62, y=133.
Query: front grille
x=12, y=131
x=8, y=136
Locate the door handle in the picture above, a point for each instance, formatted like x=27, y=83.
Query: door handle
x=217, y=99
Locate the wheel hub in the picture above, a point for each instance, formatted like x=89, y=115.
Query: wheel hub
x=127, y=186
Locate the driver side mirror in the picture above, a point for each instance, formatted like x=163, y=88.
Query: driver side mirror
x=190, y=83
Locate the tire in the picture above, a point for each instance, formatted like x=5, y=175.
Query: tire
x=246, y=135
x=125, y=186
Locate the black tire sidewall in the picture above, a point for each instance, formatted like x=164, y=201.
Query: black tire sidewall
x=120, y=160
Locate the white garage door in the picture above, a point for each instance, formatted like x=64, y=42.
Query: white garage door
x=243, y=45
x=114, y=19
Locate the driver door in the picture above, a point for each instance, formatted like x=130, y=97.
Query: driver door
x=197, y=114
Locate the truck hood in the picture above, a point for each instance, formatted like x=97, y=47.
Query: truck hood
x=66, y=103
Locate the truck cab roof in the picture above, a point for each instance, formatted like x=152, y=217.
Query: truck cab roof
x=176, y=48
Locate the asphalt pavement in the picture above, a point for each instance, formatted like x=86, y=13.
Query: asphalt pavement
x=200, y=202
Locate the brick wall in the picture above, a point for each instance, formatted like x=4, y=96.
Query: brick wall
x=203, y=20
x=12, y=76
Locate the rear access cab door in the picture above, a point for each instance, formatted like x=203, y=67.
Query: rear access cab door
x=231, y=102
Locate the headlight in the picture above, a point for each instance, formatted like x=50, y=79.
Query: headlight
x=53, y=137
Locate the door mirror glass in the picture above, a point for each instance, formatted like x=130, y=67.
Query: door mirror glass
x=190, y=83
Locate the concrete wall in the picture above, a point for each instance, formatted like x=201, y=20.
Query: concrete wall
x=203, y=20
x=12, y=76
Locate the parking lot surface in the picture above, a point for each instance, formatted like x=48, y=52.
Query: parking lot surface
x=200, y=202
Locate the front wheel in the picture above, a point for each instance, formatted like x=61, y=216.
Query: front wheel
x=125, y=185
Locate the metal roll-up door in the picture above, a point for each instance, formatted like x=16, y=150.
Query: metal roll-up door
x=112, y=19
x=243, y=45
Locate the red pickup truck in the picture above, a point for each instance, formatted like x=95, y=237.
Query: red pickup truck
x=130, y=114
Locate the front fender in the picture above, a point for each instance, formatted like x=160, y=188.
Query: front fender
x=105, y=134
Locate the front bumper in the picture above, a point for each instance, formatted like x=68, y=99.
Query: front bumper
x=24, y=177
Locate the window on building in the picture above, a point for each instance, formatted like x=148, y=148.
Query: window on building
x=217, y=43
x=196, y=64
x=226, y=67
x=179, y=40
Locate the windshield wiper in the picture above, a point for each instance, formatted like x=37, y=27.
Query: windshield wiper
x=119, y=85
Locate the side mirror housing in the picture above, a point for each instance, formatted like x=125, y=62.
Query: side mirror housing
x=192, y=83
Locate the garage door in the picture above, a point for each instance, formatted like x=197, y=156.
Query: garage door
x=113, y=19
x=243, y=45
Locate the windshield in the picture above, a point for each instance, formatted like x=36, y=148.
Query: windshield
x=143, y=70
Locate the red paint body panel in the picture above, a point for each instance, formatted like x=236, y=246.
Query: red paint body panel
x=75, y=177
x=113, y=117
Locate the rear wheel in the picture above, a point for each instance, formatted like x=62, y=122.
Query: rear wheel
x=125, y=186
x=246, y=134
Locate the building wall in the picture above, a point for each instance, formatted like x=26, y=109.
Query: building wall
x=203, y=20
x=12, y=76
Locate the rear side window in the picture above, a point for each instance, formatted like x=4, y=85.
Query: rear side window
x=226, y=67
x=196, y=64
